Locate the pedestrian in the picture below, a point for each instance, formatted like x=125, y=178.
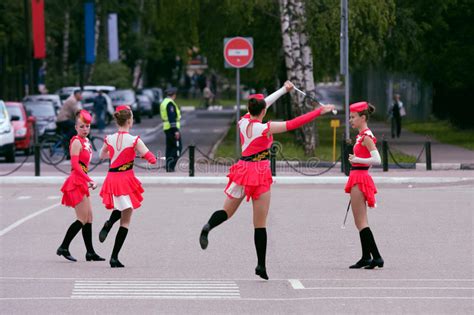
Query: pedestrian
x=66, y=120
x=207, y=96
x=100, y=108
x=360, y=185
x=397, y=111
x=251, y=176
x=171, y=116
x=122, y=191
x=76, y=190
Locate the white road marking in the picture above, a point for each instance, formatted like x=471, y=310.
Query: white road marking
x=128, y=281
x=189, y=289
x=389, y=288
x=88, y=280
x=170, y=297
x=27, y=218
x=23, y=197
x=296, y=284
x=98, y=297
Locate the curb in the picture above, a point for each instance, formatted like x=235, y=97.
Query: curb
x=284, y=180
x=446, y=166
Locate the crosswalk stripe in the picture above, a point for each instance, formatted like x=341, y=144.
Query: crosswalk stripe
x=189, y=289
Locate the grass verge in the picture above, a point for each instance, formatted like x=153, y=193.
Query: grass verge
x=444, y=132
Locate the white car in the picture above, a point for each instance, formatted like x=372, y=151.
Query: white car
x=7, y=135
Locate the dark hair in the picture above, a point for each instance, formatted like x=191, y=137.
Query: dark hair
x=256, y=106
x=77, y=114
x=77, y=91
x=367, y=112
x=121, y=117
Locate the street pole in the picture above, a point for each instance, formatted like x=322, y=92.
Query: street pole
x=345, y=61
x=237, y=131
x=344, y=64
x=29, y=49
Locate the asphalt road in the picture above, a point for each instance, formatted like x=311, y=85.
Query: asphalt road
x=425, y=234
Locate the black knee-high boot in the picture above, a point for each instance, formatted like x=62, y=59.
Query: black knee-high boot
x=260, y=239
x=63, y=250
x=114, y=217
x=119, y=239
x=377, y=260
x=87, y=235
x=364, y=242
x=216, y=218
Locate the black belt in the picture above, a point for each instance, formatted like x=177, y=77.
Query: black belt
x=122, y=168
x=359, y=168
x=260, y=156
x=84, y=167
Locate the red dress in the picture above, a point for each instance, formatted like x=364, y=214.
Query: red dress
x=362, y=178
x=251, y=176
x=121, y=189
x=76, y=185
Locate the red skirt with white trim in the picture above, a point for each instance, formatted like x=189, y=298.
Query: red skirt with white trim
x=250, y=179
x=74, y=189
x=121, y=184
x=366, y=184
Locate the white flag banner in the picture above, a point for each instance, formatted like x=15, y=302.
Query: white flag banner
x=113, y=37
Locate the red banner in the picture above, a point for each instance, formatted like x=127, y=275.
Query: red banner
x=37, y=17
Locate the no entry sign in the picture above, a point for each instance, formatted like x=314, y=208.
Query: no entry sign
x=238, y=52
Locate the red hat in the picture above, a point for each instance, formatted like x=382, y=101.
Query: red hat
x=85, y=116
x=257, y=96
x=358, y=107
x=122, y=107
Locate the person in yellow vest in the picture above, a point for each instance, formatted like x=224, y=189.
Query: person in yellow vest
x=171, y=116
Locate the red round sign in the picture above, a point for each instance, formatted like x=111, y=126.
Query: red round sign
x=238, y=52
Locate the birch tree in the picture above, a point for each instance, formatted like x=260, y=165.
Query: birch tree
x=299, y=63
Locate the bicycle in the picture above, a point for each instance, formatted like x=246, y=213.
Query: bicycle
x=54, y=148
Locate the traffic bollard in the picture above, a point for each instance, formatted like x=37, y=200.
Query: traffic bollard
x=191, y=161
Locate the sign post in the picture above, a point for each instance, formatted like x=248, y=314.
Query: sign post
x=238, y=53
x=334, y=124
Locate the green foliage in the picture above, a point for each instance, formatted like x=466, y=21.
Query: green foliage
x=116, y=74
x=369, y=25
x=430, y=38
x=444, y=132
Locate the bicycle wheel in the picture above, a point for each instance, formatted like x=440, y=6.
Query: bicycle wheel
x=53, y=150
x=96, y=146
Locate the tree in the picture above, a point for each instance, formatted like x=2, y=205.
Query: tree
x=299, y=62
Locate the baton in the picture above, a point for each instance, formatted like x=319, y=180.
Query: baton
x=334, y=111
x=345, y=218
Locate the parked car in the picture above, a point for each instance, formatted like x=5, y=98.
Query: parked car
x=97, y=88
x=66, y=91
x=156, y=97
x=146, y=105
x=7, y=135
x=87, y=102
x=45, y=116
x=54, y=98
x=23, y=127
x=126, y=97
x=104, y=88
